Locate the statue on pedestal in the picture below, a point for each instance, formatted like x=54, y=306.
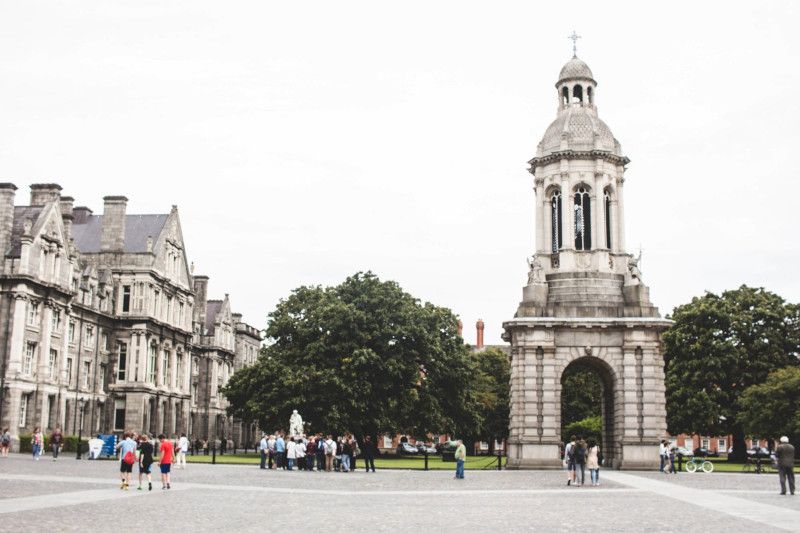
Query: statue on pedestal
x=536, y=272
x=295, y=424
x=633, y=269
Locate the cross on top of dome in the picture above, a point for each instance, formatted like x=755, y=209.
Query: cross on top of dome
x=574, y=38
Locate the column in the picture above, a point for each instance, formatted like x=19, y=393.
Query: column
x=568, y=214
x=17, y=334
x=599, y=214
x=620, y=212
x=540, y=215
x=45, y=337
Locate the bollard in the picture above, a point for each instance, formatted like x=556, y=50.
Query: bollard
x=426, y=460
x=214, y=453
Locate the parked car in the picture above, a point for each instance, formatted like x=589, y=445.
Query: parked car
x=684, y=452
x=405, y=448
x=705, y=452
x=424, y=448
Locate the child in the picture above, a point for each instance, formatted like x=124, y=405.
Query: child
x=167, y=454
x=145, y=461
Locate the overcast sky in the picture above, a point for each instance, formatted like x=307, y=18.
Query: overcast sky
x=306, y=141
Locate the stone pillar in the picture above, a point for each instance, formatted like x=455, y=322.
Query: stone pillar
x=112, y=238
x=599, y=219
x=45, y=337
x=567, y=214
x=540, y=215
x=17, y=343
x=620, y=212
x=7, y=192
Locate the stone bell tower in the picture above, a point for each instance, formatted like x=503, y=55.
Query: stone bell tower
x=585, y=303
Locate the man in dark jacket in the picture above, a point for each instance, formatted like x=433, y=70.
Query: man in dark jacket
x=784, y=454
x=369, y=454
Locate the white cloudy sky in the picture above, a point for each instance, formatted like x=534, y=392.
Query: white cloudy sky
x=305, y=141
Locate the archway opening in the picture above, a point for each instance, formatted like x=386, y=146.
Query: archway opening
x=587, y=404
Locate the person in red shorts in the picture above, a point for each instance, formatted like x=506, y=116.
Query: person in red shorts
x=167, y=451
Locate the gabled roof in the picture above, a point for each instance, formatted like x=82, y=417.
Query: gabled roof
x=21, y=214
x=137, y=228
x=213, y=308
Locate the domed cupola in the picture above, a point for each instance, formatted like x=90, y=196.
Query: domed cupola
x=575, y=69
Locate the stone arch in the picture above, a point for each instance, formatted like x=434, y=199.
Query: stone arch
x=611, y=406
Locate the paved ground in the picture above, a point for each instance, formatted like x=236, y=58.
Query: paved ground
x=85, y=495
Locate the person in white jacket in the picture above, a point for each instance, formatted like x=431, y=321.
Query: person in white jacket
x=291, y=453
x=300, y=451
x=183, y=449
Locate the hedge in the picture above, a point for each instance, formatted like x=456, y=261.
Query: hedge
x=70, y=443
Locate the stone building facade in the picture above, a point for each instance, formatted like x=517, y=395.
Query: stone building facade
x=99, y=323
x=585, y=303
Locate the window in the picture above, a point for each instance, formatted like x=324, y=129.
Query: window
x=104, y=341
x=71, y=332
x=194, y=393
x=89, y=336
x=51, y=410
x=165, y=368
x=102, y=378
x=126, y=298
x=722, y=445
x=704, y=443
x=169, y=309
x=179, y=370
x=181, y=314
x=69, y=371
x=122, y=360
x=51, y=363
x=55, y=321
x=23, y=410
x=555, y=216
x=119, y=414
x=30, y=355
x=151, y=365
x=87, y=370
x=583, y=221
x=33, y=314
x=607, y=200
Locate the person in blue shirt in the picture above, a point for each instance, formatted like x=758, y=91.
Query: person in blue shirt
x=126, y=445
x=264, y=449
x=280, y=452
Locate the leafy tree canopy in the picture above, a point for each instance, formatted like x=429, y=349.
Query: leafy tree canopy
x=719, y=346
x=581, y=396
x=491, y=381
x=363, y=356
x=772, y=409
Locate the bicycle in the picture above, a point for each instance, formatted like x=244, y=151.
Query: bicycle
x=694, y=463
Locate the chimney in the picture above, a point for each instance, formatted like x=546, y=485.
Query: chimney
x=479, y=327
x=66, y=204
x=44, y=193
x=112, y=238
x=7, y=192
x=80, y=215
x=200, y=299
x=460, y=329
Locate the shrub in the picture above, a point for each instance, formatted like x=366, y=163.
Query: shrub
x=70, y=443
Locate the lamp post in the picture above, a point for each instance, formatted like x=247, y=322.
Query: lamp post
x=80, y=428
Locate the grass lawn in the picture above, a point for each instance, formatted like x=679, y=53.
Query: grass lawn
x=405, y=463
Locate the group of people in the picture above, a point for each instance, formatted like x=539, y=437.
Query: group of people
x=135, y=449
x=38, y=442
x=323, y=453
x=580, y=455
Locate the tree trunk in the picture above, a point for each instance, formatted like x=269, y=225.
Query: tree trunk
x=739, y=447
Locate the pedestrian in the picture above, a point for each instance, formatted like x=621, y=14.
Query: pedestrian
x=145, y=461
x=354, y=452
x=263, y=448
x=271, y=449
x=330, y=453
x=37, y=443
x=5, y=442
x=345, y=456
x=280, y=452
x=291, y=453
x=300, y=452
x=673, y=450
x=320, y=452
x=662, y=454
x=569, y=460
x=127, y=456
x=167, y=455
x=183, y=449
x=56, y=442
x=311, y=453
x=369, y=454
x=784, y=455
x=460, y=457
x=579, y=455
x=593, y=462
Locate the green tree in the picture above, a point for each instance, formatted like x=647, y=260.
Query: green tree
x=491, y=384
x=363, y=356
x=581, y=396
x=718, y=347
x=772, y=409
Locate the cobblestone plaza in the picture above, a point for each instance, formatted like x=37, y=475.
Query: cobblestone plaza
x=85, y=496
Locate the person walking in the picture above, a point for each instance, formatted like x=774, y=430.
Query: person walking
x=145, y=461
x=5, y=442
x=579, y=454
x=320, y=442
x=460, y=457
x=346, y=451
x=37, y=443
x=127, y=456
x=183, y=449
x=662, y=454
x=56, y=442
x=271, y=452
x=167, y=455
x=784, y=454
x=569, y=460
x=593, y=462
x=369, y=454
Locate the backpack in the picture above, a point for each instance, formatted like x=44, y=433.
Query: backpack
x=579, y=453
x=129, y=458
x=571, y=452
x=329, y=448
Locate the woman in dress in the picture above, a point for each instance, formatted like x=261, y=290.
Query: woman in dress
x=593, y=462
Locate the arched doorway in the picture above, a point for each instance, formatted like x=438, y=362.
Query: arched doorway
x=587, y=405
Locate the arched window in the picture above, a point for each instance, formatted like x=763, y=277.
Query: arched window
x=555, y=218
x=577, y=92
x=583, y=220
x=565, y=95
x=607, y=206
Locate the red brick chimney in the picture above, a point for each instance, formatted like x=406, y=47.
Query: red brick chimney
x=479, y=327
